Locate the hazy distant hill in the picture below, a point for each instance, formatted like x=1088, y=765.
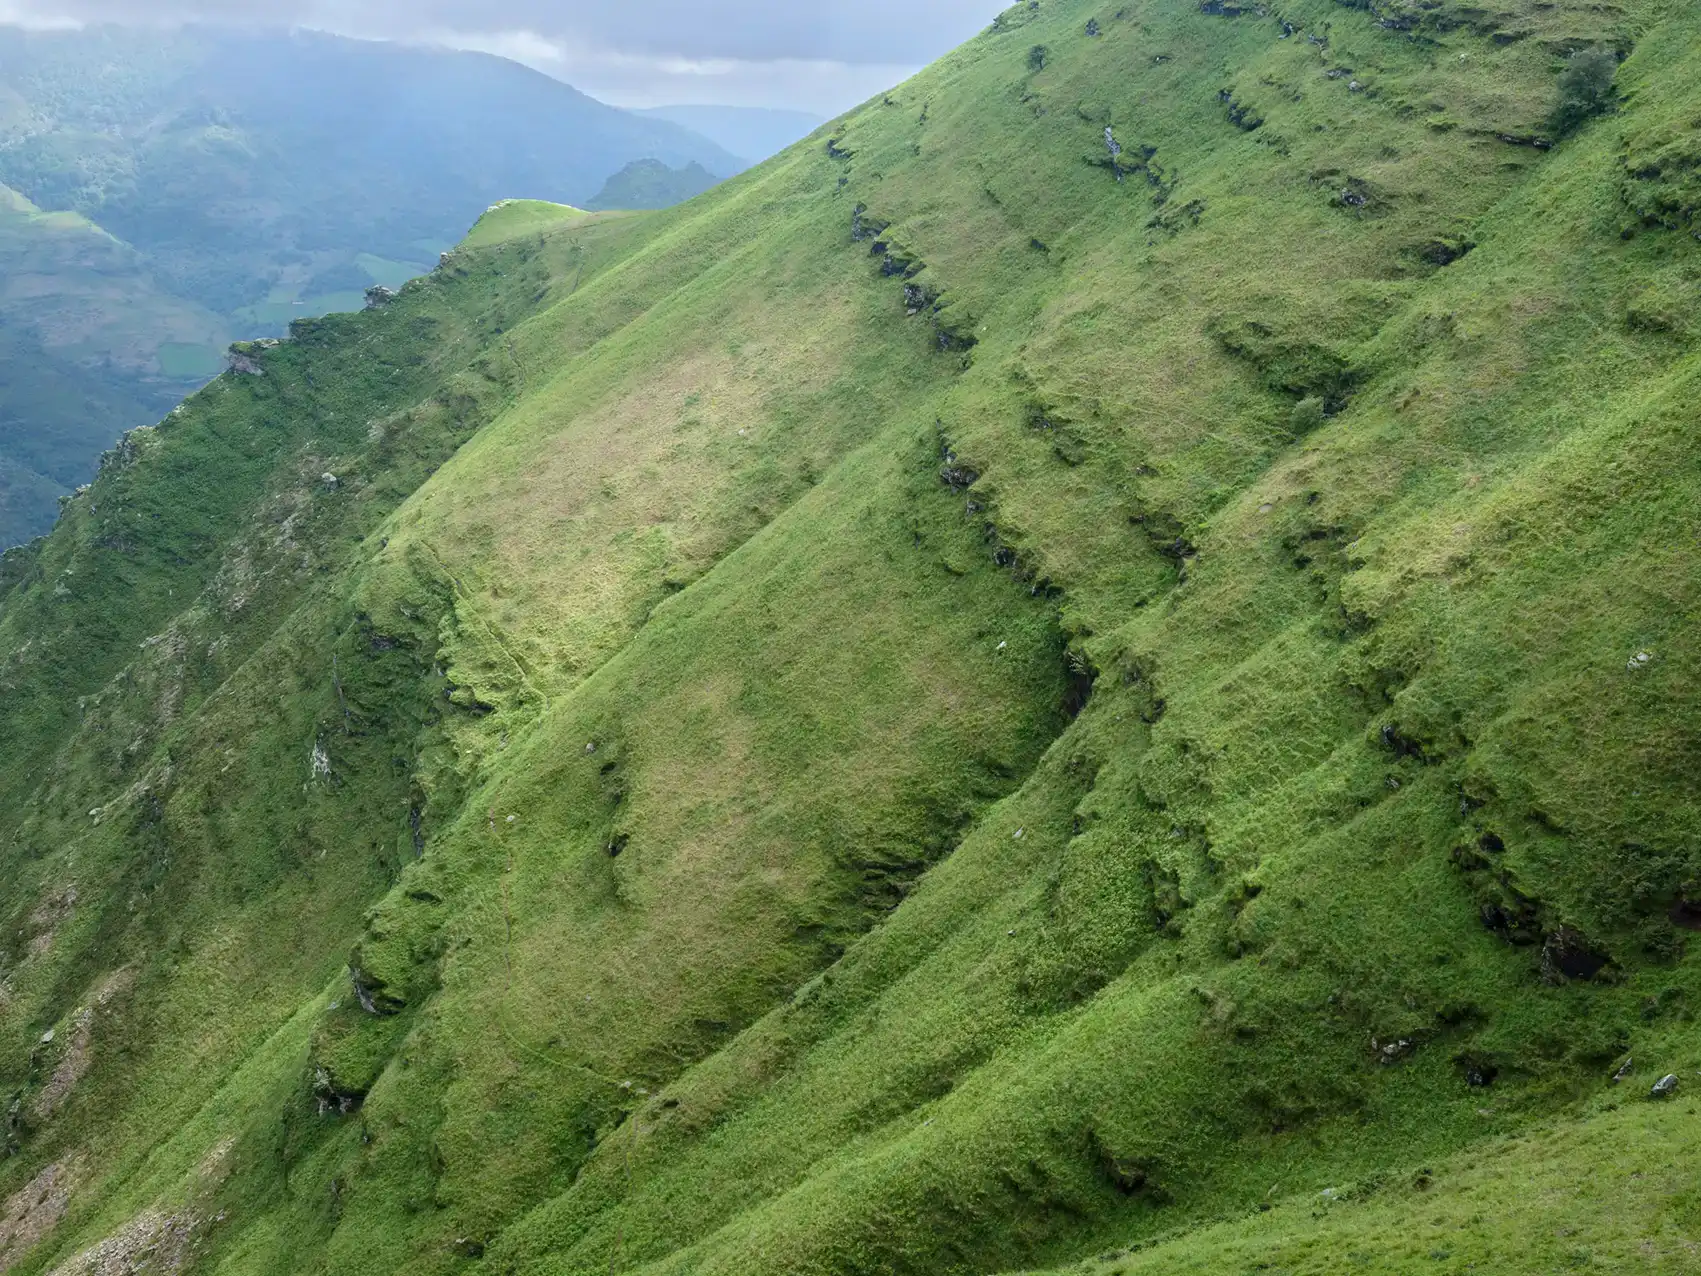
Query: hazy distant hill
x=752, y=132
x=90, y=346
x=220, y=184
x=649, y=184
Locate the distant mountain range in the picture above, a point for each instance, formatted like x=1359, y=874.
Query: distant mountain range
x=166, y=192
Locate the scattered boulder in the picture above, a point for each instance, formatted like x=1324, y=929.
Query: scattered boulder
x=1624, y=1071
x=378, y=296
x=1665, y=1087
x=960, y=477
x=1388, y=1052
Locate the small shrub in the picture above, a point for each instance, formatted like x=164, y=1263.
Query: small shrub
x=1037, y=56
x=1585, y=90
x=1308, y=415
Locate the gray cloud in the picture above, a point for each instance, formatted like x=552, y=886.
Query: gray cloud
x=813, y=54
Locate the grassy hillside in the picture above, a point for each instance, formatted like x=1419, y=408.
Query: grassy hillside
x=1094, y=671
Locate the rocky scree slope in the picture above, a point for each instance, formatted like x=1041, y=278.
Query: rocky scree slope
x=1095, y=665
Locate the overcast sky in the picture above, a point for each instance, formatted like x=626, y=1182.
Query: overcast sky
x=818, y=55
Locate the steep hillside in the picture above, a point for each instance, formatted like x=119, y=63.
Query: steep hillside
x=202, y=184
x=1095, y=669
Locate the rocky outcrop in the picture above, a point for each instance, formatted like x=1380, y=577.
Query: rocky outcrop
x=244, y=356
x=154, y=1242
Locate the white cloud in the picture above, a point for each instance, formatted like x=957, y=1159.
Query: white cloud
x=641, y=80
x=31, y=18
x=820, y=55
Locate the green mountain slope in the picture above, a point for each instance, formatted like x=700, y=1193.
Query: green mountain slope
x=1098, y=671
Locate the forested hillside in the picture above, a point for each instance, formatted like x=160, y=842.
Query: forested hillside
x=1093, y=668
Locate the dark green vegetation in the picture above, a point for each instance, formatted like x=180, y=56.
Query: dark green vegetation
x=203, y=185
x=1585, y=89
x=1096, y=668
x=650, y=184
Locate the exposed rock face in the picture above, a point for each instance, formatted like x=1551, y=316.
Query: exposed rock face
x=243, y=362
x=153, y=1242
x=374, y=996
x=157, y=1242
x=33, y=1211
x=78, y=1054
x=45, y=920
x=378, y=296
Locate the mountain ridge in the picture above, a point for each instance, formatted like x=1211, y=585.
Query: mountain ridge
x=1104, y=649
